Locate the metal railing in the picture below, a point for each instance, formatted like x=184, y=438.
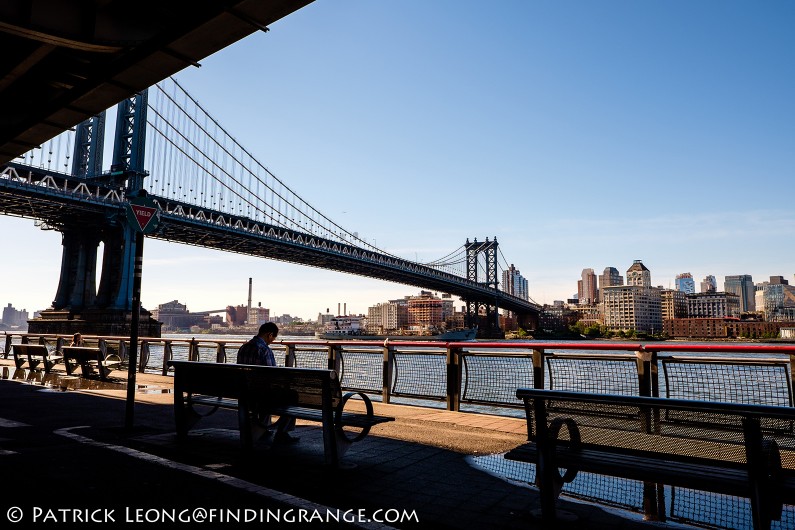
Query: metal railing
x=470, y=375
x=488, y=373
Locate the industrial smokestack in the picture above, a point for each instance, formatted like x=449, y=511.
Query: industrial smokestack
x=338, y=309
x=345, y=308
x=248, y=315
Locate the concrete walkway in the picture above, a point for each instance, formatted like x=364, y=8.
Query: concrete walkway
x=65, y=457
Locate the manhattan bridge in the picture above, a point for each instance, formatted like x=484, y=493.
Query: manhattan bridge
x=211, y=192
x=63, y=65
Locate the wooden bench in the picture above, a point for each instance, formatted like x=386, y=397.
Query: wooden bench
x=90, y=360
x=260, y=391
x=734, y=449
x=34, y=354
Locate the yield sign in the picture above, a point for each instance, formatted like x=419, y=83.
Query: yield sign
x=143, y=214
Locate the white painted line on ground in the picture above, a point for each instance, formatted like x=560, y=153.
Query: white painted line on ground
x=285, y=498
x=11, y=423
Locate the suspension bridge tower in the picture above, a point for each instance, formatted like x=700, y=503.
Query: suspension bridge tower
x=79, y=306
x=484, y=315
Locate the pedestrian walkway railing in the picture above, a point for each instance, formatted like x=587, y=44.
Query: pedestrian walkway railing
x=467, y=374
x=474, y=375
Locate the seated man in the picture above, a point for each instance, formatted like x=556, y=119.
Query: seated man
x=258, y=351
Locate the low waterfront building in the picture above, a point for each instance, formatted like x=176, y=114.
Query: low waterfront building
x=721, y=328
x=633, y=307
x=425, y=311
x=176, y=317
x=556, y=317
x=713, y=305
x=236, y=316
x=591, y=315
x=387, y=317
x=776, y=299
x=673, y=303
x=259, y=315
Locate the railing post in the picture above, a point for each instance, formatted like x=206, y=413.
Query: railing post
x=220, y=353
x=454, y=377
x=538, y=368
x=387, y=372
x=193, y=350
x=643, y=359
x=649, y=422
x=123, y=353
x=168, y=354
x=791, y=376
x=7, y=348
x=335, y=362
x=654, y=374
x=289, y=357
x=143, y=360
x=102, y=344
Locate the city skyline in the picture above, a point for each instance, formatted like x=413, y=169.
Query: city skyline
x=578, y=134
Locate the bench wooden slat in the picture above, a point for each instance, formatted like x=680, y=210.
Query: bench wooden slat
x=712, y=477
x=211, y=401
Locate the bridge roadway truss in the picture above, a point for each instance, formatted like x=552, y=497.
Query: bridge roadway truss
x=60, y=201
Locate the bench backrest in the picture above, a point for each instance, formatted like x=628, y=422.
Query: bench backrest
x=31, y=349
x=81, y=353
x=688, y=428
x=275, y=385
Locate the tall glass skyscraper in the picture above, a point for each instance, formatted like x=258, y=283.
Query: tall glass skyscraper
x=514, y=283
x=743, y=286
x=709, y=284
x=586, y=288
x=609, y=278
x=684, y=282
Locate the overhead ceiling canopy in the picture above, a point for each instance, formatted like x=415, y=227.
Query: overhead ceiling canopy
x=62, y=61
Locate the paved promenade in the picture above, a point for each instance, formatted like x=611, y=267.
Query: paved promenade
x=65, y=457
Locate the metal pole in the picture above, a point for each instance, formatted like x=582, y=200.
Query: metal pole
x=136, y=314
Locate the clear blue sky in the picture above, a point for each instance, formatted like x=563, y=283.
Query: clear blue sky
x=580, y=133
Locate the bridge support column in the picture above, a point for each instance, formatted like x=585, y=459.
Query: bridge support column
x=77, y=285
x=115, y=285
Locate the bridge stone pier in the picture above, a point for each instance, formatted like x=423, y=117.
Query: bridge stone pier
x=78, y=305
